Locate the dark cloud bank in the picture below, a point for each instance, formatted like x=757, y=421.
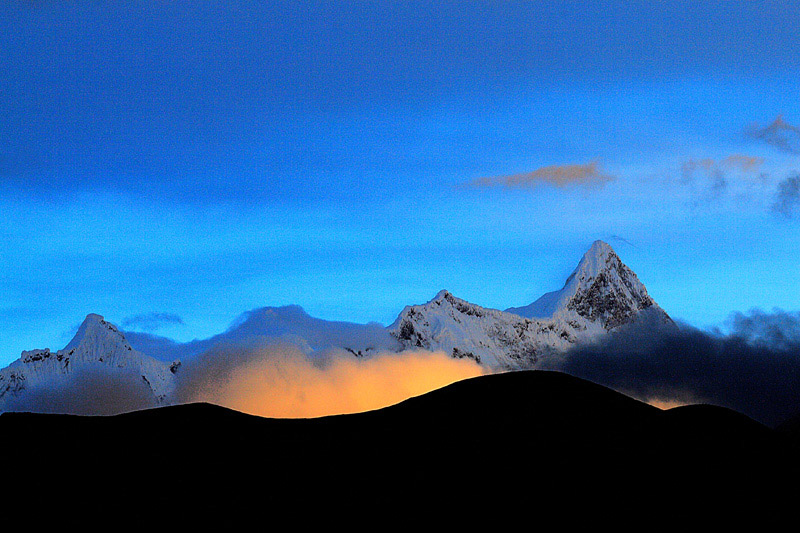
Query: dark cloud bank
x=754, y=369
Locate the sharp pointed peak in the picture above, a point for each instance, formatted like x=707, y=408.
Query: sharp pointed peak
x=93, y=323
x=599, y=247
x=93, y=318
x=597, y=259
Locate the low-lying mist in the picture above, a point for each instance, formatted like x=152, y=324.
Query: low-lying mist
x=95, y=390
x=279, y=380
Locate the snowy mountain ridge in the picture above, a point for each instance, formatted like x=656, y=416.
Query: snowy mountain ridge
x=491, y=337
x=600, y=295
x=98, y=344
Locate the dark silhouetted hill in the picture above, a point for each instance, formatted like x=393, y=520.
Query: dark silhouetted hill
x=522, y=444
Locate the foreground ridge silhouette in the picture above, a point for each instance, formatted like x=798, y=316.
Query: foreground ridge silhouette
x=505, y=444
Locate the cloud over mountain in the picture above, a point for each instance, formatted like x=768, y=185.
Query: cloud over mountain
x=276, y=379
x=88, y=391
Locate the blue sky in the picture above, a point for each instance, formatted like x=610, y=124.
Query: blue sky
x=195, y=161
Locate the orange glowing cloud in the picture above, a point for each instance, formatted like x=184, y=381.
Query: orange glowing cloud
x=282, y=382
x=741, y=163
x=560, y=176
x=667, y=403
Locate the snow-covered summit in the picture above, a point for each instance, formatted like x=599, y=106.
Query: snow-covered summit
x=491, y=337
x=98, y=345
x=600, y=294
x=602, y=291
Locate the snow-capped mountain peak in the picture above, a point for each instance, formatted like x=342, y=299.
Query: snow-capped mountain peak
x=96, y=334
x=602, y=290
x=600, y=294
x=596, y=260
x=97, y=345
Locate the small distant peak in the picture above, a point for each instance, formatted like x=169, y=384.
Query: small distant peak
x=288, y=311
x=597, y=259
x=599, y=252
x=91, y=321
x=94, y=321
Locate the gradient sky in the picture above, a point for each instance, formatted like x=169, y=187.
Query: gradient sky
x=170, y=165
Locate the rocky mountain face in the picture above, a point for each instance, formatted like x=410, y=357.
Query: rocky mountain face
x=98, y=345
x=600, y=295
x=601, y=290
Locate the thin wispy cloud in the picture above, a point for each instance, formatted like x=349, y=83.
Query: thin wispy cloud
x=742, y=162
x=617, y=238
x=710, y=179
x=561, y=176
x=719, y=169
x=787, y=200
x=710, y=171
x=151, y=321
x=780, y=134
